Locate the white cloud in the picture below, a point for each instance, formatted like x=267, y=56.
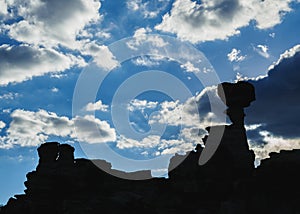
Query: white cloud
x=8, y=110
x=97, y=106
x=220, y=19
x=147, y=61
x=189, y=67
x=141, y=105
x=192, y=135
x=125, y=143
x=32, y=128
x=29, y=128
x=58, y=75
x=262, y=50
x=184, y=114
x=92, y=130
x=51, y=22
x=9, y=96
x=177, y=150
x=163, y=146
x=101, y=54
x=150, y=141
x=252, y=127
x=142, y=36
x=54, y=90
x=2, y=125
x=234, y=56
x=20, y=63
x=103, y=34
x=272, y=35
x=133, y=4
x=3, y=8
x=272, y=144
x=171, y=147
x=141, y=32
x=173, y=113
x=149, y=9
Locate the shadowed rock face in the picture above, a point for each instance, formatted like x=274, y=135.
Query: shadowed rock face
x=48, y=152
x=227, y=184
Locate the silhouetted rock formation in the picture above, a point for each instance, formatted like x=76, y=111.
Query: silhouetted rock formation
x=236, y=96
x=234, y=143
x=227, y=184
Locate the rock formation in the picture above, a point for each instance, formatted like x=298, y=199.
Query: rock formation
x=227, y=184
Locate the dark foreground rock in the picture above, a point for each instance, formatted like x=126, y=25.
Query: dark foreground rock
x=78, y=186
x=227, y=184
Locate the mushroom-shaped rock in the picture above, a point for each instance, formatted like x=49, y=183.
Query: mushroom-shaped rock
x=239, y=94
x=236, y=96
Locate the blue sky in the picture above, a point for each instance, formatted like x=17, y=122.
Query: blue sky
x=139, y=111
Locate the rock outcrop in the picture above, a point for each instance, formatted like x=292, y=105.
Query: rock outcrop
x=227, y=184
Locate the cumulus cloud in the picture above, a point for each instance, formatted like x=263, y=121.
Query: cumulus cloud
x=192, y=117
x=220, y=19
x=195, y=112
x=44, y=29
x=101, y=54
x=46, y=23
x=92, y=130
x=175, y=113
x=142, y=36
x=29, y=128
x=32, y=128
x=189, y=118
x=97, y=106
x=234, y=56
x=20, y=63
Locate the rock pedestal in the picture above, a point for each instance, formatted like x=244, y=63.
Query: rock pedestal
x=234, y=143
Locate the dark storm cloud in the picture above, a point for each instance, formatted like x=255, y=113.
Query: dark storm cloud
x=277, y=102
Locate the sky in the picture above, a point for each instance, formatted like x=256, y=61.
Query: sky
x=134, y=82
